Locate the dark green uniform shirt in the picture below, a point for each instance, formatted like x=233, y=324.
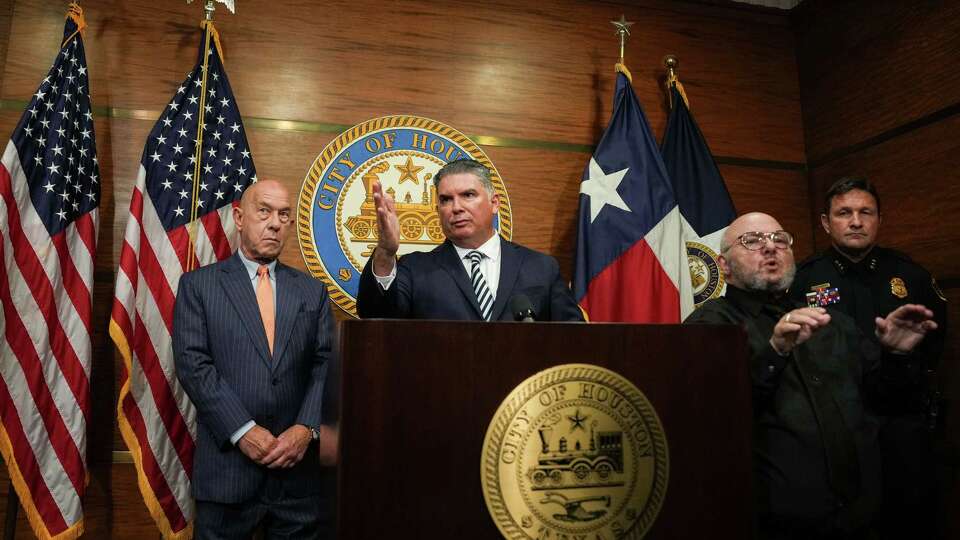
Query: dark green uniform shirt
x=816, y=461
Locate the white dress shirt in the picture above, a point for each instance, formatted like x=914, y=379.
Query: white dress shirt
x=489, y=265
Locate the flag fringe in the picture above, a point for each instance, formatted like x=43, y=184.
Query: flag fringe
x=26, y=500
x=75, y=12
x=216, y=37
x=622, y=68
x=130, y=439
x=674, y=82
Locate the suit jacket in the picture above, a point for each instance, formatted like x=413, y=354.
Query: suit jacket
x=435, y=285
x=224, y=364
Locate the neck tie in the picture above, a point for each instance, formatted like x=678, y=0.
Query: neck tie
x=265, y=301
x=484, y=298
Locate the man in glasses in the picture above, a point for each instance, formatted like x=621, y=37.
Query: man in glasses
x=816, y=461
x=865, y=281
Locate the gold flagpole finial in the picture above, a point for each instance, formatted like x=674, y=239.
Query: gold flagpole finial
x=672, y=63
x=623, y=30
x=209, y=7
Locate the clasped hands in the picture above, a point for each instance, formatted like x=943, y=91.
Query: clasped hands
x=280, y=452
x=899, y=331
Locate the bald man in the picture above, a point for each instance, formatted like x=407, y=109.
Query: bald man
x=252, y=341
x=814, y=376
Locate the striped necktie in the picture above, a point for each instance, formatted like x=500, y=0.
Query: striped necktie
x=484, y=298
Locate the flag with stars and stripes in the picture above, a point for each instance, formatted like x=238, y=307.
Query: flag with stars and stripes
x=49, y=198
x=195, y=165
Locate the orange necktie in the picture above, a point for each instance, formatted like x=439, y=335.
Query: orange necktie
x=265, y=301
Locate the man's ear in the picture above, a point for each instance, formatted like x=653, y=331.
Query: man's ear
x=238, y=216
x=825, y=223
x=723, y=265
x=495, y=201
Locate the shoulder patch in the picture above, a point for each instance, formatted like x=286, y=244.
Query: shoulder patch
x=937, y=290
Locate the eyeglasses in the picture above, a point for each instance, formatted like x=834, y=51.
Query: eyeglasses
x=755, y=240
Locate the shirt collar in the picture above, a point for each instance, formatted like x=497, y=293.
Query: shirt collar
x=864, y=265
x=253, y=266
x=490, y=249
x=754, y=301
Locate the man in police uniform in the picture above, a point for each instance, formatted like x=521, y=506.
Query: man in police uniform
x=866, y=281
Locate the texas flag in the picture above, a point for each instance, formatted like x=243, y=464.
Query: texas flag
x=631, y=263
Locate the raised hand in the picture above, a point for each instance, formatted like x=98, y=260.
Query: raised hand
x=388, y=229
x=796, y=327
x=904, y=327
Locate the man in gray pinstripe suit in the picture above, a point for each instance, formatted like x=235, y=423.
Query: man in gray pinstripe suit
x=252, y=341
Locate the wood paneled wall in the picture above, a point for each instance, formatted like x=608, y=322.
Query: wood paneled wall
x=881, y=99
x=536, y=75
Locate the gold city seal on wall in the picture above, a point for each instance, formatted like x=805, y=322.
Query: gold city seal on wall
x=575, y=451
x=336, y=215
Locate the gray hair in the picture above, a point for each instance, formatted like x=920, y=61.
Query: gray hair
x=470, y=166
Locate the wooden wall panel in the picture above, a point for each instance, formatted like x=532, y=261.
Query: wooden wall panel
x=6, y=18
x=782, y=194
x=870, y=66
x=916, y=177
x=880, y=100
x=542, y=73
x=499, y=68
x=950, y=450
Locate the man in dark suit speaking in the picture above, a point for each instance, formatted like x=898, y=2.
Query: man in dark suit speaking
x=473, y=275
x=252, y=340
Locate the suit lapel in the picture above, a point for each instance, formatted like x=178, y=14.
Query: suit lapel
x=288, y=305
x=239, y=291
x=450, y=262
x=509, y=271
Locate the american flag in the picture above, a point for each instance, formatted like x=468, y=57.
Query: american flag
x=49, y=194
x=180, y=219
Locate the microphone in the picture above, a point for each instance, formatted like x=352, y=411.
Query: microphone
x=522, y=309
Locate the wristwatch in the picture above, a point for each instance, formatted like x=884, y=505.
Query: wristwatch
x=314, y=434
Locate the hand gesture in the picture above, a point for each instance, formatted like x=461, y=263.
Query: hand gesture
x=388, y=229
x=796, y=327
x=291, y=445
x=904, y=327
x=257, y=443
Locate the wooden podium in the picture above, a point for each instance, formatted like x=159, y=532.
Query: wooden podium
x=417, y=398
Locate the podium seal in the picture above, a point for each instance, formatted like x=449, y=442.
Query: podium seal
x=575, y=451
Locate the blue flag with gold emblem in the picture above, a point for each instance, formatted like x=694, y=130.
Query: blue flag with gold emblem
x=705, y=204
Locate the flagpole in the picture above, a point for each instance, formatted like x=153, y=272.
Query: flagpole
x=672, y=64
x=623, y=30
x=208, y=9
x=198, y=148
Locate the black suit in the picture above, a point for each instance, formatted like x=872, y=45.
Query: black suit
x=435, y=285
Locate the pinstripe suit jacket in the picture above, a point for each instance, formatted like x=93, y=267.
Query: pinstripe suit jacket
x=224, y=364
